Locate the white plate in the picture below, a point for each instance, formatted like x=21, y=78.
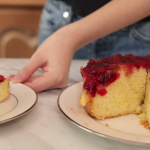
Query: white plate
x=124, y=129
x=21, y=100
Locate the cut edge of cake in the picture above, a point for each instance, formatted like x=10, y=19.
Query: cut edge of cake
x=4, y=90
x=145, y=115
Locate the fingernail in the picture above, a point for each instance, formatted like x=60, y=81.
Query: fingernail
x=16, y=78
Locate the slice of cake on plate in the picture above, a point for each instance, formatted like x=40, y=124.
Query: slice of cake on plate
x=116, y=86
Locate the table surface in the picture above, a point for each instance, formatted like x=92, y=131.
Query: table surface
x=44, y=127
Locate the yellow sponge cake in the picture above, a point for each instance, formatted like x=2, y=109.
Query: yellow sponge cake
x=145, y=115
x=116, y=86
x=4, y=88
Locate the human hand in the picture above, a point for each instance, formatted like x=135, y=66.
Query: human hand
x=54, y=57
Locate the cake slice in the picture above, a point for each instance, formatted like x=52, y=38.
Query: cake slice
x=117, y=86
x=4, y=88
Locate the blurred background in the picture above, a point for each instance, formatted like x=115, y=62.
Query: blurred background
x=19, y=22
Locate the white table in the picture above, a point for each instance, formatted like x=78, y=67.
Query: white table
x=44, y=127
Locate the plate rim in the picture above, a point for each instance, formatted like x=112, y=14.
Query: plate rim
x=95, y=132
x=24, y=112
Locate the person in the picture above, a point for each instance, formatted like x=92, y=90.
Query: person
x=117, y=26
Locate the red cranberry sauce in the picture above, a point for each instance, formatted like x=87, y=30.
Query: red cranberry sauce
x=1, y=78
x=98, y=74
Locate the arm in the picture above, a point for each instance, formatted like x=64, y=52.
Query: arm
x=55, y=54
x=115, y=15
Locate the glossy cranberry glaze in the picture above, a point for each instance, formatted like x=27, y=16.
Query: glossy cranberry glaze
x=1, y=78
x=98, y=74
x=102, y=92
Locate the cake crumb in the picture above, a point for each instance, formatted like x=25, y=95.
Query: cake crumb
x=145, y=123
x=107, y=125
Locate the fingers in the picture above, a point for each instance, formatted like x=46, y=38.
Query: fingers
x=38, y=83
x=44, y=82
x=10, y=77
x=41, y=83
x=26, y=72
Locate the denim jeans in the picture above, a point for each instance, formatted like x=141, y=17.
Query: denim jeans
x=134, y=39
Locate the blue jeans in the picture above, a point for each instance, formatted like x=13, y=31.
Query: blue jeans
x=134, y=39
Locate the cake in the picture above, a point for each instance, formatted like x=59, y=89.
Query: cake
x=117, y=86
x=4, y=88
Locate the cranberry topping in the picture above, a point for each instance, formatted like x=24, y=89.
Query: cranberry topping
x=90, y=86
x=102, y=92
x=107, y=78
x=1, y=78
x=98, y=74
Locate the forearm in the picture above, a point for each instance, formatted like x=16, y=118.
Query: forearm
x=114, y=16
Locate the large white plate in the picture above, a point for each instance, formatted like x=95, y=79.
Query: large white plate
x=124, y=129
x=21, y=100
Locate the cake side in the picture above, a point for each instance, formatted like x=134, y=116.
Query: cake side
x=145, y=116
x=4, y=90
x=114, y=86
x=124, y=96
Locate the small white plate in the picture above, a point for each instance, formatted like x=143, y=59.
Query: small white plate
x=125, y=129
x=21, y=100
